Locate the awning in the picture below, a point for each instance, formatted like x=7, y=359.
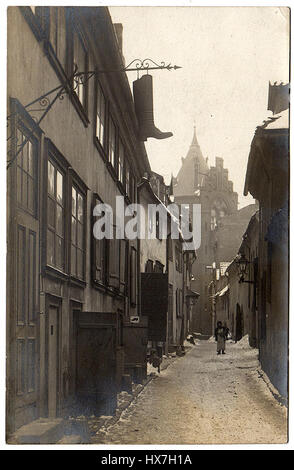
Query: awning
x=222, y=292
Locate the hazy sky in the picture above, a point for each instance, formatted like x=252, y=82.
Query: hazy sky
x=228, y=55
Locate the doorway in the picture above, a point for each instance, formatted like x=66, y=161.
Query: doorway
x=96, y=341
x=239, y=323
x=53, y=361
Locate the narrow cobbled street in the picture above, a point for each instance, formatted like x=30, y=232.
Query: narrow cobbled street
x=203, y=398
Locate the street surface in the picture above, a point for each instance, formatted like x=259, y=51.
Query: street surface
x=203, y=398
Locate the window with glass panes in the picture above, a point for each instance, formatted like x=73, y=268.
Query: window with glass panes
x=79, y=63
x=100, y=118
x=77, y=233
x=26, y=172
x=55, y=217
x=111, y=142
x=121, y=159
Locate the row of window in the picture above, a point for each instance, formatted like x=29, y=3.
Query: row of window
x=65, y=210
x=114, y=264
x=56, y=205
x=177, y=253
x=60, y=27
x=108, y=138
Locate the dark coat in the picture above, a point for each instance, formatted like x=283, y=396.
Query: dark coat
x=223, y=332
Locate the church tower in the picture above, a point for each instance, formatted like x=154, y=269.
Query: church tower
x=193, y=172
x=197, y=183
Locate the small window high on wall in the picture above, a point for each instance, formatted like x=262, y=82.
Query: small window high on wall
x=100, y=116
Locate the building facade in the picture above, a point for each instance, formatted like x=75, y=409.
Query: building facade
x=69, y=296
x=222, y=225
x=165, y=271
x=267, y=179
x=236, y=302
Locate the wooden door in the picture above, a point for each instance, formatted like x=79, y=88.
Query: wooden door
x=26, y=377
x=96, y=361
x=154, y=304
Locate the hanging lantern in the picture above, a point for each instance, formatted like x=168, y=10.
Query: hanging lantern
x=242, y=263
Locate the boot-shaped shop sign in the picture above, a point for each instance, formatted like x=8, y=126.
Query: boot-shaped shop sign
x=143, y=97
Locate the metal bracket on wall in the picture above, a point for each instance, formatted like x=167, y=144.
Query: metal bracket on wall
x=45, y=101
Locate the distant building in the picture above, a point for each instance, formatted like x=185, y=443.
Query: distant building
x=222, y=224
x=165, y=265
x=241, y=313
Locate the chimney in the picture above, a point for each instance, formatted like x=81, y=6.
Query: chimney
x=118, y=27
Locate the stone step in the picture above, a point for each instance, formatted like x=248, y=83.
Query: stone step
x=40, y=431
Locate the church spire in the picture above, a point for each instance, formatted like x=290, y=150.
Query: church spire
x=193, y=171
x=194, y=140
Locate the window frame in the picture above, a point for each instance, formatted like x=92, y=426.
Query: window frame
x=20, y=119
x=63, y=166
x=51, y=157
x=76, y=35
x=121, y=167
x=99, y=89
x=103, y=282
x=31, y=139
x=127, y=180
x=121, y=274
x=72, y=28
x=113, y=164
x=80, y=188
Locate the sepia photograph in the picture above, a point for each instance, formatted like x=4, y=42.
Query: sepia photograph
x=147, y=226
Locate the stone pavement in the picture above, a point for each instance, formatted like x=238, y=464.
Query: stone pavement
x=202, y=398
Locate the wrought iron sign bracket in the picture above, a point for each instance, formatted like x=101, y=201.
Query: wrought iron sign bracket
x=45, y=102
x=148, y=64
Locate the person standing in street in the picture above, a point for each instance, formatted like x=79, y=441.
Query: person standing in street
x=220, y=337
